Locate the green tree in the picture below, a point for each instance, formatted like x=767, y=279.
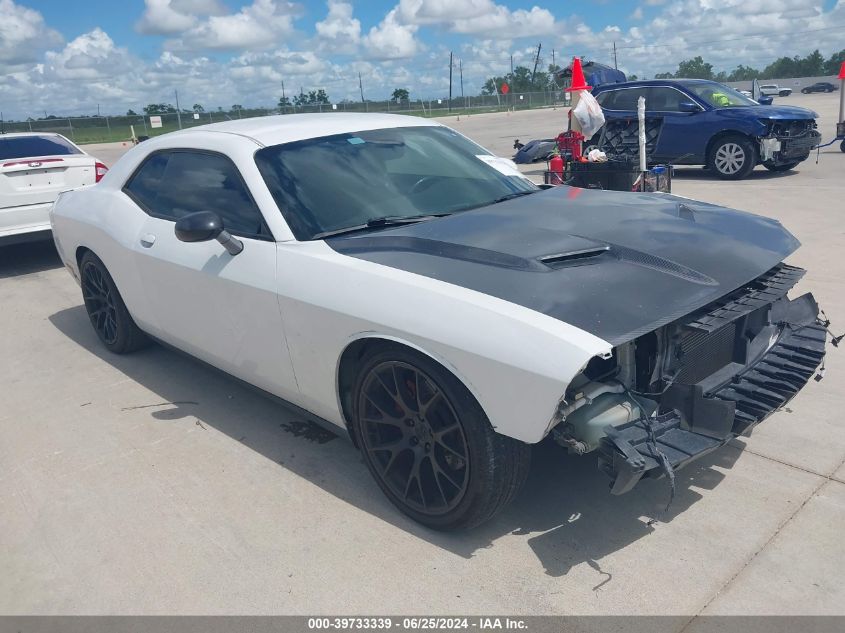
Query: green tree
x=743, y=73
x=400, y=94
x=834, y=63
x=159, y=108
x=284, y=102
x=237, y=108
x=695, y=68
x=664, y=76
x=131, y=113
x=313, y=97
x=198, y=108
x=518, y=81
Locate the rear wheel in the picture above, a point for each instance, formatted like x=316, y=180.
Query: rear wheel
x=106, y=310
x=429, y=445
x=732, y=157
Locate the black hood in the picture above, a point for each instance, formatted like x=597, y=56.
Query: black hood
x=617, y=265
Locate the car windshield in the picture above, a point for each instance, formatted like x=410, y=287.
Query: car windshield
x=720, y=96
x=34, y=146
x=380, y=177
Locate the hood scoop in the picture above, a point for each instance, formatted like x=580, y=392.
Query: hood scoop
x=575, y=258
x=598, y=254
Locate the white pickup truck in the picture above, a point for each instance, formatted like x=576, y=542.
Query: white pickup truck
x=773, y=90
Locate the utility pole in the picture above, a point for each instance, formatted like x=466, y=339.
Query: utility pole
x=360, y=86
x=615, y=65
x=536, y=61
x=511, y=68
x=178, y=114
x=98, y=109
x=284, y=102
x=450, y=81
x=461, y=68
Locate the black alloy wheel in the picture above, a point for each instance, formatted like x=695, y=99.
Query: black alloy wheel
x=413, y=437
x=428, y=443
x=108, y=314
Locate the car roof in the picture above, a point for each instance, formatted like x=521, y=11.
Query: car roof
x=287, y=128
x=655, y=82
x=20, y=134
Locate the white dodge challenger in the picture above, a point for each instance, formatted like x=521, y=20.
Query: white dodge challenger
x=391, y=277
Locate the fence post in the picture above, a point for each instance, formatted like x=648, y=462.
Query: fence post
x=70, y=125
x=30, y=125
x=108, y=127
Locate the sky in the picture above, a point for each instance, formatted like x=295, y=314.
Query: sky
x=71, y=57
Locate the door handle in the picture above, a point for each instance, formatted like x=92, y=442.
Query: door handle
x=148, y=240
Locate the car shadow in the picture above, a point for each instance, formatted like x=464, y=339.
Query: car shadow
x=758, y=174
x=565, y=509
x=31, y=257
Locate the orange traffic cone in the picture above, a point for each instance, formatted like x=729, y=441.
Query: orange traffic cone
x=578, y=81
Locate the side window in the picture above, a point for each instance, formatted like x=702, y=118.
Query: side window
x=625, y=99
x=172, y=184
x=606, y=98
x=663, y=100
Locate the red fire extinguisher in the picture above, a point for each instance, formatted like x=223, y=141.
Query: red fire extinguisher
x=556, y=170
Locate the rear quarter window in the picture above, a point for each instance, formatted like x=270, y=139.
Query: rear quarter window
x=34, y=146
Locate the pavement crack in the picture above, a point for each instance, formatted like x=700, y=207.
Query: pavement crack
x=824, y=480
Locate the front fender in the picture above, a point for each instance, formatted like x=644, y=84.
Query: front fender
x=516, y=362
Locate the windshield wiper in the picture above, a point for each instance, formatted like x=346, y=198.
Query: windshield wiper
x=515, y=194
x=378, y=223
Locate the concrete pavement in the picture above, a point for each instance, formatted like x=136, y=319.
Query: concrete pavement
x=151, y=484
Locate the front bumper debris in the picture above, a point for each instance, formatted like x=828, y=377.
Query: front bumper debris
x=696, y=419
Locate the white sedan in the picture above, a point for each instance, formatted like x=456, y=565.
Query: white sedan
x=34, y=169
x=394, y=279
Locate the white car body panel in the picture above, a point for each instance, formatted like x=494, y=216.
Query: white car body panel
x=30, y=185
x=281, y=313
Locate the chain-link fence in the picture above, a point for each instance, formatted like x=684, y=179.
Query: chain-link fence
x=102, y=129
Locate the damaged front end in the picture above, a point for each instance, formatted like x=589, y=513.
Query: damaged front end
x=675, y=394
x=787, y=141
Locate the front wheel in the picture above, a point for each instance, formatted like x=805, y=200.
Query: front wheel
x=106, y=310
x=429, y=445
x=732, y=157
x=842, y=147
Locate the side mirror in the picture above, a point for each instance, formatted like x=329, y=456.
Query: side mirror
x=688, y=106
x=203, y=226
x=765, y=100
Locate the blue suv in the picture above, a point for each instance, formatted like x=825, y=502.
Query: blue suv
x=700, y=122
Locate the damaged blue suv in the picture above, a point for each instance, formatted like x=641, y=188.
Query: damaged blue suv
x=701, y=122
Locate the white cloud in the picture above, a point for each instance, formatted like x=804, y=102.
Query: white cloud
x=637, y=14
x=23, y=36
x=91, y=56
x=441, y=11
x=339, y=32
x=169, y=17
x=502, y=21
x=260, y=25
x=391, y=39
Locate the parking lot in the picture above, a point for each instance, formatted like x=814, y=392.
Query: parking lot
x=152, y=484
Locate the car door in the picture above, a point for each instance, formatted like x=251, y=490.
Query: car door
x=218, y=307
x=684, y=134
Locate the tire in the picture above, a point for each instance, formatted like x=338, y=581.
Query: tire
x=428, y=443
x=779, y=168
x=842, y=146
x=805, y=91
x=732, y=157
x=108, y=314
